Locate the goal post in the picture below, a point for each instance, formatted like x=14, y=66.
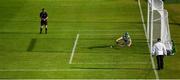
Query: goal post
x=165, y=31
x=158, y=24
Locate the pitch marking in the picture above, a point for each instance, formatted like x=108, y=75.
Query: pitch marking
x=74, y=48
x=152, y=60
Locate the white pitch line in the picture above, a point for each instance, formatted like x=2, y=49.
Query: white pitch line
x=52, y=70
x=74, y=48
x=59, y=70
x=129, y=63
x=43, y=70
x=152, y=60
x=105, y=30
x=142, y=17
x=111, y=34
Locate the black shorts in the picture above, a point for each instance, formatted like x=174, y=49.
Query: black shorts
x=126, y=41
x=44, y=22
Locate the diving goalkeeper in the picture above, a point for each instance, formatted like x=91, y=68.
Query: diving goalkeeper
x=124, y=40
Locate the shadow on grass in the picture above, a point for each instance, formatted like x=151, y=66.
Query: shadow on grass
x=172, y=1
x=178, y=24
x=31, y=45
x=105, y=46
x=102, y=46
x=116, y=47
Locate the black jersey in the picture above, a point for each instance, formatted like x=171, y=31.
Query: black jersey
x=43, y=15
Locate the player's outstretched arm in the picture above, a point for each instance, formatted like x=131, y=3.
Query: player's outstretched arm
x=118, y=39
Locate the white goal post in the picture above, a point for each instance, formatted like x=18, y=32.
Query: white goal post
x=158, y=24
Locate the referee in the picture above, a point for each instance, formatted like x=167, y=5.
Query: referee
x=159, y=50
x=44, y=22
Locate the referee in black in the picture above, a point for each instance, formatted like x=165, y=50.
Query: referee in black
x=44, y=20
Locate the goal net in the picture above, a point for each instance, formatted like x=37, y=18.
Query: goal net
x=157, y=24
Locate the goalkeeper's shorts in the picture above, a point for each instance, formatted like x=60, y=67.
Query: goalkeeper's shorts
x=127, y=42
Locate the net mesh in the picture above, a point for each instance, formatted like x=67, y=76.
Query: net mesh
x=158, y=23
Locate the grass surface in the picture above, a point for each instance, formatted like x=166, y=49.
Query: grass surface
x=26, y=54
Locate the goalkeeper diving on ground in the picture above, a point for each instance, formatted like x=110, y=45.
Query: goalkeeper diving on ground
x=124, y=40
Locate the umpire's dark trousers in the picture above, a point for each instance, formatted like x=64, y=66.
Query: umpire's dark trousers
x=160, y=61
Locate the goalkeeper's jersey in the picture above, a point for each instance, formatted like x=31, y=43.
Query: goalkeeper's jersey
x=126, y=38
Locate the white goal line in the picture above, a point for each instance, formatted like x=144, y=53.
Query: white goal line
x=107, y=30
x=74, y=48
x=58, y=70
x=123, y=63
x=142, y=18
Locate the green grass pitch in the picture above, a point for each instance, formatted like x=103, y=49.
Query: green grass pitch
x=26, y=54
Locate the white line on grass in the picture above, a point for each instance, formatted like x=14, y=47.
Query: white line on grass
x=142, y=17
x=5, y=70
x=110, y=34
x=47, y=70
x=152, y=60
x=129, y=63
x=98, y=30
x=69, y=70
x=74, y=48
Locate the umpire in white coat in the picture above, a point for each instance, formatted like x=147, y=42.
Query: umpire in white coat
x=159, y=50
